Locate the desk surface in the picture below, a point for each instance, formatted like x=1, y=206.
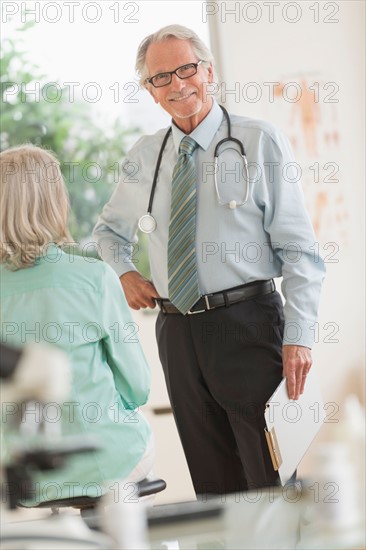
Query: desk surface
x=270, y=518
x=273, y=518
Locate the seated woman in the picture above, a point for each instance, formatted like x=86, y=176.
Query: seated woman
x=76, y=303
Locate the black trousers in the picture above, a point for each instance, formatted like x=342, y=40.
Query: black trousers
x=220, y=368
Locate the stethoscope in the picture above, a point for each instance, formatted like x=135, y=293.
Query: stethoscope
x=147, y=222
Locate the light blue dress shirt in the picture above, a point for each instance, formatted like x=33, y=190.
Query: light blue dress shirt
x=269, y=236
x=78, y=305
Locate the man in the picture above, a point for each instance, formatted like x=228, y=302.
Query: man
x=224, y=340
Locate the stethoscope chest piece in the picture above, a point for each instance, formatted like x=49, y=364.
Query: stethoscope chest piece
x=147, y=223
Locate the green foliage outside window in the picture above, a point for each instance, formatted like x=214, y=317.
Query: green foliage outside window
x=90, y=156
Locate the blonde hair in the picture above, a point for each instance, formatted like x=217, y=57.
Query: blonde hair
x=172, y=31
x=33, y=205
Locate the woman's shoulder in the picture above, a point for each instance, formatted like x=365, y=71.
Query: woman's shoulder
x=87, y=271
x=59, y=269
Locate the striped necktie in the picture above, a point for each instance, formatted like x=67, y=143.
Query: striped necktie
x=182, y=272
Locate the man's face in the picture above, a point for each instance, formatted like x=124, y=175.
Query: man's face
x=185, y=100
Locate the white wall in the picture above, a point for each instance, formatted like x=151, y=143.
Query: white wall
x=331, y=54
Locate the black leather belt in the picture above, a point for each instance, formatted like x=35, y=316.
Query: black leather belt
x=223, y=298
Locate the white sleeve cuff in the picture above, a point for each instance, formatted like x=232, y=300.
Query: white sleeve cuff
x=299, y=332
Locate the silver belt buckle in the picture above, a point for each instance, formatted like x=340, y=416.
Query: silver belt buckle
x=208, y=307
x=189, y=312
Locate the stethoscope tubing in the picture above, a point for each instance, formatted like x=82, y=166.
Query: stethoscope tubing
x=157, y=168
x=147, y=222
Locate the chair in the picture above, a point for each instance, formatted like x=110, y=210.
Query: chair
x=86, y=504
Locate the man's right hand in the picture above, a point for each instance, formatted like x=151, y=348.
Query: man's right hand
x=139, y=292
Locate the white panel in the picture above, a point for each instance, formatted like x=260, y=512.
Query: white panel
x=322, y=57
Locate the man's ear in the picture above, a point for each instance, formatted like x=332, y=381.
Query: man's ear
x=152, y=92
x=210, y=74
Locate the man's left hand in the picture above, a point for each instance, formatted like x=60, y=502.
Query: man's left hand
x=296, y=362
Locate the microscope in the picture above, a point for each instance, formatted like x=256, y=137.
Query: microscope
x=31, y=379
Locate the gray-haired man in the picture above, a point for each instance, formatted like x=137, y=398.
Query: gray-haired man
x=224, y=354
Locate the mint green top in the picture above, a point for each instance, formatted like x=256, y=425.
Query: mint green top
x=77, y=303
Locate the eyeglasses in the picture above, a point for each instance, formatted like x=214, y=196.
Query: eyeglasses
x=185, y=71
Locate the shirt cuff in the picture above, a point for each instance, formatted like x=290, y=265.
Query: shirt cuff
x=120, y=267
x=299, y=332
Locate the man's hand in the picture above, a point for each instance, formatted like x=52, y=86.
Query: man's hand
x=296, y=365
x=139, y=292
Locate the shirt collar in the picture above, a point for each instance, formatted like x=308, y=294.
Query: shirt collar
x=205, y=131
x=50, y=252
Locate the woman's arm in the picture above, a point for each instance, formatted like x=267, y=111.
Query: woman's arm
x=124, y=353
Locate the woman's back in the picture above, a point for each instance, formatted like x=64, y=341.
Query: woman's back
x=77, y=303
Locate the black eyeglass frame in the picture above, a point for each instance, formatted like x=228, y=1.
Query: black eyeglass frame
x=170, y=73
